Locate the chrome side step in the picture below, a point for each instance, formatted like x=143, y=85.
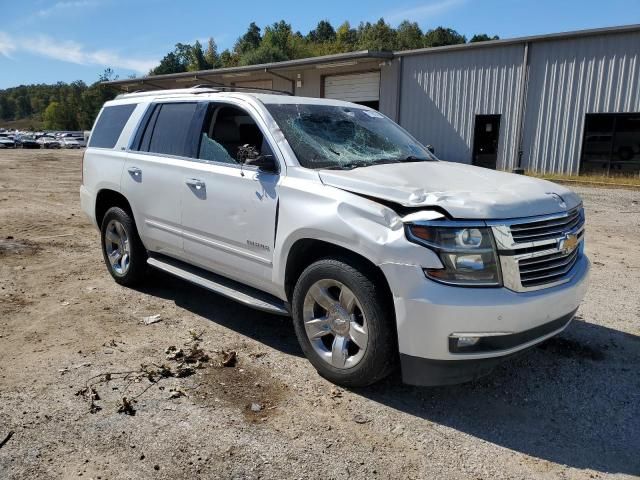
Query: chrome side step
x=221, y=285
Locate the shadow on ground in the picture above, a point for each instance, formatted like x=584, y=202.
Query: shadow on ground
x=272, y=330
x=574, y=400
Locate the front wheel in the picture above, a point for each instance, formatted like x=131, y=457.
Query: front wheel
x=124, y=254
x=344, y=323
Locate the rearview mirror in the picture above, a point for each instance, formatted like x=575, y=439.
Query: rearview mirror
x=263, y=162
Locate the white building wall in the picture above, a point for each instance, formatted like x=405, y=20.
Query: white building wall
x=442, y=92
x=568, y=79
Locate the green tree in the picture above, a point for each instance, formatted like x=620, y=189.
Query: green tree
x=229, y=59
x=211, y=55
x=483, y=37
x=249, y=41
x=324, y=32
x=53, y=117
x=279, y=36
x=346, y=36
x=409, y=36
x=441, y=36
x=169, y=64
x=7, y=108
x=266, y=53
x=378, y=36
x=196, y=58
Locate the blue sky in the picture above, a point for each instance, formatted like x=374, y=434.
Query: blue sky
x=44, y=41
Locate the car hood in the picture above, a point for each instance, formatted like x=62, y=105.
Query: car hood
x=464, y=191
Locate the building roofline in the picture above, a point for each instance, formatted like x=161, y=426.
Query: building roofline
x=265, y=67
x=519, y=40
x=365, y=55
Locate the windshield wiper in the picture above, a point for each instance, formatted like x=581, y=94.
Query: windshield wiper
x=412, y=158
x=349, y=166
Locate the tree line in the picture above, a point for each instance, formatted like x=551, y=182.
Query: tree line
x=61, y=106
x=278, y=42
x=74, y=106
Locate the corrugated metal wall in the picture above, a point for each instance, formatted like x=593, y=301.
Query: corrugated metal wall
x=569, y=78
x=442, y=92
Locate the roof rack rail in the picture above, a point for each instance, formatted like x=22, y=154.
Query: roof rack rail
x=226, y=88
x=198, y=89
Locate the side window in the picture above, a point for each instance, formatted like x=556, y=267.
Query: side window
x=110, y=124
x=225, y=130
x=168, y=129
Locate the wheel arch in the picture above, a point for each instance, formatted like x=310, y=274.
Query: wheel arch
x=107, y=198
x=305, y=251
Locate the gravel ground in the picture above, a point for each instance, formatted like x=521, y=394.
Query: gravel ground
x=568, y=409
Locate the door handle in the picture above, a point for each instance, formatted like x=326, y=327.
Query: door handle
x=195, y=183
x=136, y=174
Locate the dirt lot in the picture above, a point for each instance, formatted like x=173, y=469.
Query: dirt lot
x=569, y=409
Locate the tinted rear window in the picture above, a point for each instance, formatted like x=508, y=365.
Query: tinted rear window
x=110, y=124
x=170, y=133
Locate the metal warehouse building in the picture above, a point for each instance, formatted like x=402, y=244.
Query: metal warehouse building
x=566, y=102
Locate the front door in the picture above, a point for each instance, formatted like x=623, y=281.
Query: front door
x=229, y=210
x=486, y=137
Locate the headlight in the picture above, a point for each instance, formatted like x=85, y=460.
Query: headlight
x=467, y=253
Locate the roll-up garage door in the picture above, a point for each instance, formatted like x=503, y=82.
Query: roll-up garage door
x=359, y=87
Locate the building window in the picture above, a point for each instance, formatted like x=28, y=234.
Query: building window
x=611, y=143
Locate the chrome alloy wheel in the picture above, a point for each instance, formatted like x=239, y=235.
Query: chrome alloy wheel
x=116, y=243
x=335, y=323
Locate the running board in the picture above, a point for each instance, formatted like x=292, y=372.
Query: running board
x=234, y=290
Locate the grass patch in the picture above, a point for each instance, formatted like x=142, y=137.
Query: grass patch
x=623, y=181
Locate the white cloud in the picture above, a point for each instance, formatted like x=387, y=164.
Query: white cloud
x=423, y=12
x=60, y=6
x=72, y=52
x=7, y=46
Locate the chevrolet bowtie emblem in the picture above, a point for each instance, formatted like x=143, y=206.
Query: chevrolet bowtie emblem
x=568, y=244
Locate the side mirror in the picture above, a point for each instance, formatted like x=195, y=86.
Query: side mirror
x=431, y=149
x=266, y=163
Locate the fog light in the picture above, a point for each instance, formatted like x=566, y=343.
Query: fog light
x=464, y=342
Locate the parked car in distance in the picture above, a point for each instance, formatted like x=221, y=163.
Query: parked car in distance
x=82, y=143
x=7, y=141
x=332, y=213
x=69, y=142
x=47, y=141
x=27, y=141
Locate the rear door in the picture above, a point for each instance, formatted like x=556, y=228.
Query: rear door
x=229, y=210
x=152, y=178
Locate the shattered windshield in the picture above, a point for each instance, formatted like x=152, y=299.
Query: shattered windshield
x=325, y=136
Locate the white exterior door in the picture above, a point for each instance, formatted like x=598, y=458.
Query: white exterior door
x=357, y=87
x=229, y=210
x=229, y=220
x=151, y=179
x=152, y=185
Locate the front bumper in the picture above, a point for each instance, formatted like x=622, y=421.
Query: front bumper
x=428, y=313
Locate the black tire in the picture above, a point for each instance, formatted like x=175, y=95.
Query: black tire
x=380, y=355
x=137, y=265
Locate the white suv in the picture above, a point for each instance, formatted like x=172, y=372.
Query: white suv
x=331, y=212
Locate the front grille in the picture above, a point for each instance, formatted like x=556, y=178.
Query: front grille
x=546, y=229
x=533, y=254
x=547, y=268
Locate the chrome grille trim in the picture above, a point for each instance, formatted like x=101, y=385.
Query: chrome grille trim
x=529, y=249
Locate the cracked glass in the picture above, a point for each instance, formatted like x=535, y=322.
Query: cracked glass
x=338, y=137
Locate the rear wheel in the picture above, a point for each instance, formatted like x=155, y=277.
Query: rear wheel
x=124, y=254
x=344, y=323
